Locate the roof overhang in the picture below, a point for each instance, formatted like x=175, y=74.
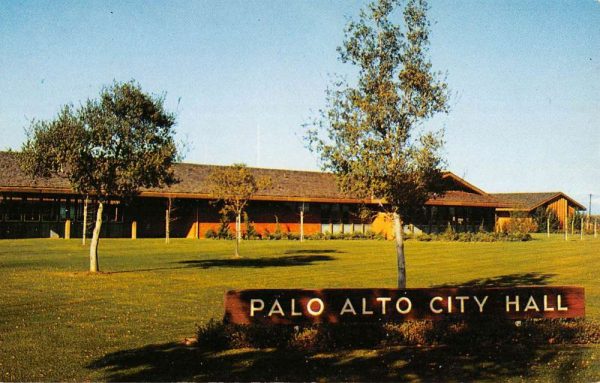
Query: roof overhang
x=463, y=183
x=461, y=203
x=153, y=194
x=571, y=201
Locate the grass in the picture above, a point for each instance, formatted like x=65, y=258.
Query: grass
x=58, y=322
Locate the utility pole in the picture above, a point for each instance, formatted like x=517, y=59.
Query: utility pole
x=589, y=214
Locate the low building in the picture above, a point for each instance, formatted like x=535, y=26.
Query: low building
x=44, y=208
x=527, y=204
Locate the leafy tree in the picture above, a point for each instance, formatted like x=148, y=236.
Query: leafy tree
x=107, y=148
x=234, y=186
x=223, y=231
x=251, y=232
x=370, y=133
x=544, y=216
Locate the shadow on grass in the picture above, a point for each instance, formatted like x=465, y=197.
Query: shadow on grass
x=313, y=252
x=141, y=270
x=311, y=257
x=508, y=280
x=174, y=362
x=284, y=261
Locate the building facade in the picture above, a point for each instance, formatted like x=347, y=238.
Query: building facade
x=560, y=204
x=296, y=201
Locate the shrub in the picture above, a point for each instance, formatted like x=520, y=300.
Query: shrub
x=316, y=236
x=293, y=236
x=357, y=235
x=278, y=233
x=520, y=223
x=223, y=231
x=210, y=233
x=542, y=216
x=251, y=232
x=475, y=237
x=305, y=339
x=465, y=237
x=373, y=235
x=323, y=337
x=276, y=236
x=449, y=234
x=424, y=237
x=519, y=237
x=347, y=235
x=409, y=333
x=213, y=335
x=483, y=236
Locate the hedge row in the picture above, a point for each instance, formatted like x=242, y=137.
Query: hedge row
x=219, y=336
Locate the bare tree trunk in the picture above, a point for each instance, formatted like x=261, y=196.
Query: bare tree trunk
x=85, y=212
x=94, y=267
x=238, y=233
x=168, y=221
x=302, y=224
x=400, y=251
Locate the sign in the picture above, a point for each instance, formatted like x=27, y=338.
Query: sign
x=296, y=306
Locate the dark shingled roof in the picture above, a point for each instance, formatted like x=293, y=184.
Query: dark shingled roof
x=530, y=201
x=11, y=175
x=286, y=185
x=462, y=198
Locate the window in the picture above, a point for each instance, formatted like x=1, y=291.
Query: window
x=78, y=209
x=31, y=209
x=50, y=210
x=64, y=211
x=305, y=206
x=113, y=212
x=325, y=213
x=13, y=209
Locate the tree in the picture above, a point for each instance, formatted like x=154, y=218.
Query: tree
x=371, y=133
x=546, y=220
x=108, y=148
x=234, y=186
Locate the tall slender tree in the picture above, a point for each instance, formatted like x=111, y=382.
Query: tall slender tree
x=108, y=148
x=234, y=186
x=371, y=133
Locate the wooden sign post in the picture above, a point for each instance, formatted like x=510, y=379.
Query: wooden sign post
x=297, y=306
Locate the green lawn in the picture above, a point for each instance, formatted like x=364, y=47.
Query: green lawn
x=59, y=323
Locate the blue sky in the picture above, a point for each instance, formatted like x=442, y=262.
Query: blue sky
x=524, y=75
